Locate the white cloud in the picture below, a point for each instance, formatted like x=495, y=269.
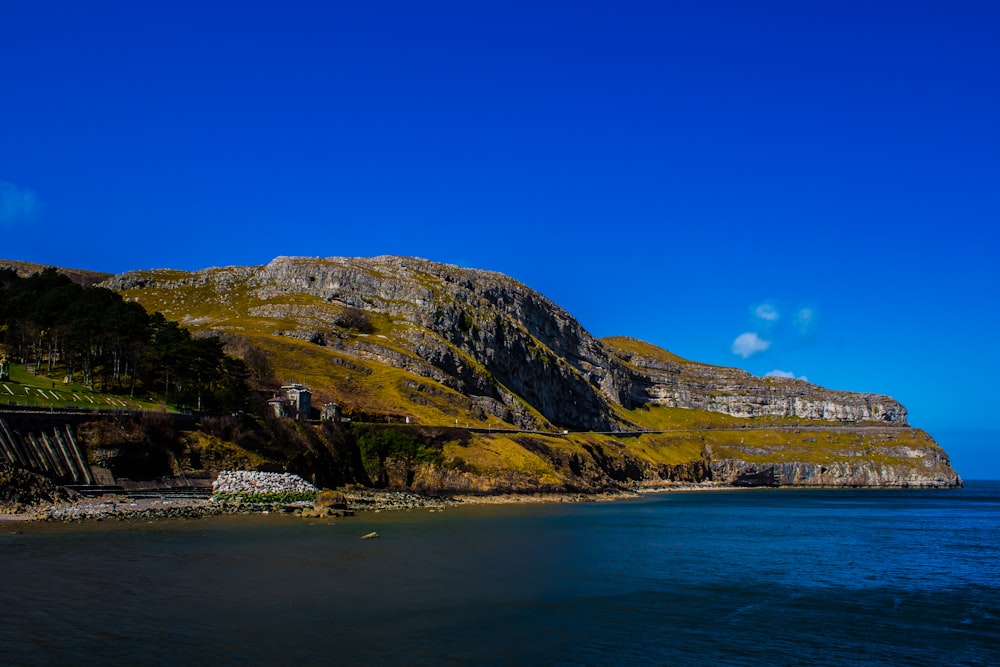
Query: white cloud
x=805, y=321
x=784, y=374
x=16, y=203
x=748, y=344
x=767, y=312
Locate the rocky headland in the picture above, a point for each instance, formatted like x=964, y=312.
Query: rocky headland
x=490, y=389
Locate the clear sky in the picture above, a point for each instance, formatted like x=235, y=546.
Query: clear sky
x=809, y=188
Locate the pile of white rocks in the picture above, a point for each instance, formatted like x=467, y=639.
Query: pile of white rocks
x=251, y=482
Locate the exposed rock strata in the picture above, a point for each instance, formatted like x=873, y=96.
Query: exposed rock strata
x=663, y=379
x=860, y=474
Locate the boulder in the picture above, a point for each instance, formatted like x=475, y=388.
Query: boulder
x=327, y=499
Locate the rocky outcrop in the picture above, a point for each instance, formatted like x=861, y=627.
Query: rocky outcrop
x=664, y=379
x=860, y=474
x=837, y=457
x=20, y=489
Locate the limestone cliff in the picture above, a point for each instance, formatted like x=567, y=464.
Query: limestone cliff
x=664, y=379
x=480, y=333
x=490, y=337
x=445, y=345
x=868, y=457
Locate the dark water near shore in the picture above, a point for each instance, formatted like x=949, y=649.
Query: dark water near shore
x=714, y=578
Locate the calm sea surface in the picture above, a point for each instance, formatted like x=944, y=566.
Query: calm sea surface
x=713, y=578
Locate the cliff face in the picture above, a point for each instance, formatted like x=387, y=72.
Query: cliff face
x=449, y=345
x=892, y=458
x=860, y=474
x=479, y=333
x=826, y=457
x=664, y=379
x=490, y=337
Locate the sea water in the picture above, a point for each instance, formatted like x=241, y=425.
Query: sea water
x=761, y=577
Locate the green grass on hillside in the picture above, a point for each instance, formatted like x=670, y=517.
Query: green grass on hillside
x=498, y=453
x=367, y=385
x=41, y=391
x=628, y=345
x=334, y=374
x=820, y=447
x=555, y=460
x=662, y=418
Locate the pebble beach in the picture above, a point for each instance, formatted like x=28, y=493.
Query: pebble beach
x=246, y=492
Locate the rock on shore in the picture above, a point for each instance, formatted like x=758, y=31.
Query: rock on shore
x=21, y=489
x=379, y=500
x=254, y=483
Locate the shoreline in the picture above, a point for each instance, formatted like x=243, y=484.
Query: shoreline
x=125, y=508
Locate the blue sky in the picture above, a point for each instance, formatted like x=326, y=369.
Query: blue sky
x=804, y=187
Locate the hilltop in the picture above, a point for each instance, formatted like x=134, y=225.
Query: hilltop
x=79, y=276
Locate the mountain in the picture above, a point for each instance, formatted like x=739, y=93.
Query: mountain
x=481, y=343
x=396, y=339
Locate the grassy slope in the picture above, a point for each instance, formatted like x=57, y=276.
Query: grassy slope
x=41, y=391
x=629, y=345
x=336, y=372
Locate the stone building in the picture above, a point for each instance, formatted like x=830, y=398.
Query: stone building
x=294, y=401
x=330, y=412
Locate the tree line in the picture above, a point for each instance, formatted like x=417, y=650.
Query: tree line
x=94, y=337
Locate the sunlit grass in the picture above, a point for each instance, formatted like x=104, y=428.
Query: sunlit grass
x=43, y=391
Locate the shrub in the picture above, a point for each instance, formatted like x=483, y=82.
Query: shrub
x=380, y=444
x=377, y=445
x=354, y=318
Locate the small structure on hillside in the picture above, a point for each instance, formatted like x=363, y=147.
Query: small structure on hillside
x=330, y=413
x=294, y=401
